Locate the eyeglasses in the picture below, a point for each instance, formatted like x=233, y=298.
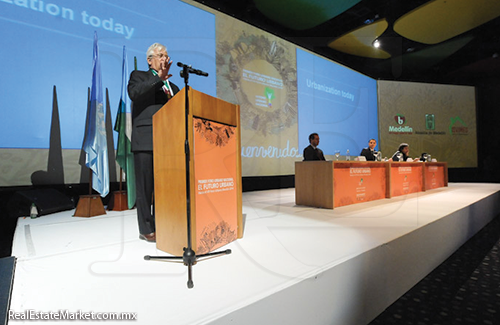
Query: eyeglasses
x=161, y=56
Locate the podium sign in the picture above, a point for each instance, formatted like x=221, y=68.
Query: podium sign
x=215, y=181
x=406, y=178
x=358, y=182
x=435, y=175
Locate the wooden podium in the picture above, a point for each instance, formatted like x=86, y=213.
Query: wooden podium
x=170, y=167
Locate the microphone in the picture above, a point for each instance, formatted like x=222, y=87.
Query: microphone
x=200, y=73
x=191, y=70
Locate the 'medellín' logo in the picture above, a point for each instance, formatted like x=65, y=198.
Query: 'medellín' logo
x=401, y=128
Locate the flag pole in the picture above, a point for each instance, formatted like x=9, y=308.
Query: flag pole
x=90, y=181
x=121, y=179
x=124, y=198
x=95, y=146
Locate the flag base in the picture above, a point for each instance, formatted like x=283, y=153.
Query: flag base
x=89, y=206
x=118, y=201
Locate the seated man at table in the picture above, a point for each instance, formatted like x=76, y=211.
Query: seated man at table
x=369, y=153
x=312, y=152
x=404, y=150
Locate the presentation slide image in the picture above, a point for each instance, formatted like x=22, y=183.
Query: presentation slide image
x=47, y=53
x=50, y=43
x=337, y=103
x=257, y=71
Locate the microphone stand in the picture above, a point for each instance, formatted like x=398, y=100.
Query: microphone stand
x=189, y=256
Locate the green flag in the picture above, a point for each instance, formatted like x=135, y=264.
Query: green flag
x=123, y=125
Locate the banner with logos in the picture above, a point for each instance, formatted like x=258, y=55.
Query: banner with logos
x=436, y=119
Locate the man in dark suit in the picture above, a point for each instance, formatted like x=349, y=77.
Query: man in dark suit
x=312, y=152
x=369, y=152
x=149, y=91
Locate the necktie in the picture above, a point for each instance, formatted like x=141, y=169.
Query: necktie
x=166, y=87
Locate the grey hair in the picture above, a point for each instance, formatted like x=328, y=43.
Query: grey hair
x=153, y=47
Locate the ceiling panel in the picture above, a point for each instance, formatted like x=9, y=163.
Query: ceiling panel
x=360, y=41
x=440, y=20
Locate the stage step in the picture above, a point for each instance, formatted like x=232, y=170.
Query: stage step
x=7, y=267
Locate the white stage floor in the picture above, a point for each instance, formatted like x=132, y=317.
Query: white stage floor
x=294, y=265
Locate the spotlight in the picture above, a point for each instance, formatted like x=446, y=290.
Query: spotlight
x=376, y=43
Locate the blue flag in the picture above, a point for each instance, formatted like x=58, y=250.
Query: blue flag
x=95, y=144
x=123, y=126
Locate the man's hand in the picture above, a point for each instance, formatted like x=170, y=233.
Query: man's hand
x=163, y=73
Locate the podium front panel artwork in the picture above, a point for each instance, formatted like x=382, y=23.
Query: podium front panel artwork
x=434, y=176
x=357, y=183
x=215, y=179
x=406, y=178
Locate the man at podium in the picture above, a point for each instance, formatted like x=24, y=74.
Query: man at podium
x=149, y=91
x=312, y=152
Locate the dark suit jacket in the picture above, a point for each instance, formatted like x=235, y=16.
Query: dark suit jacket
x=145, y=91
x=311, y=154
x=368, y=154
x=395, y=156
